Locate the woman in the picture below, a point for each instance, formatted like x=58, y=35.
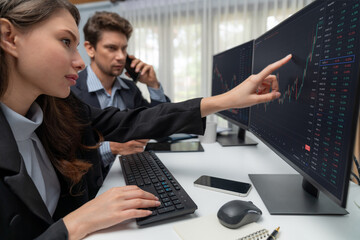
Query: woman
x=50, y=171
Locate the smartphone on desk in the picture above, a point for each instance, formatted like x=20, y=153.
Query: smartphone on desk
x=175, y=147
x=241, y=189
x=134, y=75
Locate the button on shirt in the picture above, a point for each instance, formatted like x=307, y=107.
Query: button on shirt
x=37, y=163
x=114, y=100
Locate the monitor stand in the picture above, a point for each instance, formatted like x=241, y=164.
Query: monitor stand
x=284, y=194
x=231, y=139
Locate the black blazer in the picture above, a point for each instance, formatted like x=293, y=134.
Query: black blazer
x=23, y=214
x=132, y=97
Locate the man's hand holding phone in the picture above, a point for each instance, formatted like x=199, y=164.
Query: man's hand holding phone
x=140, y=71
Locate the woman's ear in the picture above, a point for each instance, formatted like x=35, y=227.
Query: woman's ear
x=8, y=36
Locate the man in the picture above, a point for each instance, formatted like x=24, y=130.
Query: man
x=100, y=84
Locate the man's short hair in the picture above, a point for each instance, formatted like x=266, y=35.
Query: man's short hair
x=105, y=21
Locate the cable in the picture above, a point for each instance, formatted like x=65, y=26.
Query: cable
x=356, y=177
x=356, y=163
x=358, y=169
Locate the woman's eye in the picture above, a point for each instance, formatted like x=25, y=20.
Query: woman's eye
x=67, y=42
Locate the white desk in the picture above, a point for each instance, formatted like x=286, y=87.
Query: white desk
x=233, y=163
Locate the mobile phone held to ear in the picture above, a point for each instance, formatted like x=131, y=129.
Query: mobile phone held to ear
x=241, y=189
x=134, y=75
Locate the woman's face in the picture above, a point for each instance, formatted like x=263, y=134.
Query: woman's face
x=48, y=60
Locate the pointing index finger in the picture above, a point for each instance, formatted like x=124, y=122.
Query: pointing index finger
x=272, y=67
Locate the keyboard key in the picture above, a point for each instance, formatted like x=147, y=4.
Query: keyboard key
x=166, y=209
x=163, y=196
x=179, y=206
x=147, y=181
x=166, y=199
x=139, y=182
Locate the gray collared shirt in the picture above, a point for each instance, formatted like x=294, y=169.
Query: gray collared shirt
x=114, y=100
x=37, y=163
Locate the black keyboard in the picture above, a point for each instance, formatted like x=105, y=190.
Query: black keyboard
x=149, y=173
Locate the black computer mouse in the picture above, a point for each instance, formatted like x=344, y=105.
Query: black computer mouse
x=237, y=213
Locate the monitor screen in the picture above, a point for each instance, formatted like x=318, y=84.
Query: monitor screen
x=230, y=68
x=312, y=125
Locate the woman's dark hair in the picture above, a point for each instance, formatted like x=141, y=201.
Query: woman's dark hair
x=61, y=129
x=105, y=21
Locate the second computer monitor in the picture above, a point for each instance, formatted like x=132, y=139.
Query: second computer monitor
x=230, y=68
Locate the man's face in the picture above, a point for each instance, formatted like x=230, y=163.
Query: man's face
x=110, y=53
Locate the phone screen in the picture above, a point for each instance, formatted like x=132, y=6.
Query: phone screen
x=134, y=75
x=223, y=185
x=175, y=147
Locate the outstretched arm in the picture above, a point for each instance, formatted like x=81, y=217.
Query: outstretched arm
x=259, y=88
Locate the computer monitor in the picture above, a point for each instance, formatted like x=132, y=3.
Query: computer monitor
x=230, y=68
x=312, y=125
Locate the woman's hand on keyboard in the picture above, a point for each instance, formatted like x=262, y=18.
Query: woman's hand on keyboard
x=112, y=207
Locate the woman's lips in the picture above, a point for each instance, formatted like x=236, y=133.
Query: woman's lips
x=72, y=78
